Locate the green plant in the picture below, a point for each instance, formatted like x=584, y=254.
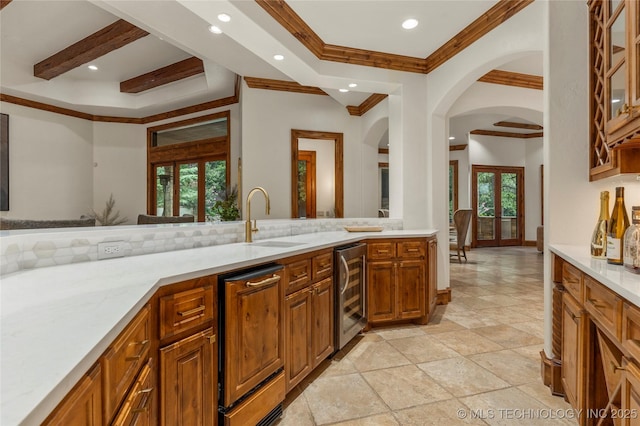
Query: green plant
x=226, y=208
x=106, y=218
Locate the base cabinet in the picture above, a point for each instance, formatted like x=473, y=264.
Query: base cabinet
x=309, y=315
x=397, y=281
x=83, y=405
x=188, y=381
x=573, y=348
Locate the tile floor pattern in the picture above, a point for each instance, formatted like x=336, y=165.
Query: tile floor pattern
x=477, y=362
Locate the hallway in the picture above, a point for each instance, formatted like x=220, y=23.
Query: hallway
x=476, y=362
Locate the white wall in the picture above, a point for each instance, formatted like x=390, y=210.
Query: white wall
x=50, y=164
x=267, y=119
x=514, y=152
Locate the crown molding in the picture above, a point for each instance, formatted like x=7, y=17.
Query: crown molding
x=518, y=125
x=293, y=23
x=367, y=104
x=281, y=85
x=457, y=147
x=506, y=134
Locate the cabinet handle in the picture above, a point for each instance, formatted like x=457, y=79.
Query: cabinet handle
x=147, y=402
x=411, y=250
x=212, y=339
x=144, y=344
x=596, y=303
x=615, y=367
x=383, y=251
x=192, y=311
x=303, y=275
x=267, y=281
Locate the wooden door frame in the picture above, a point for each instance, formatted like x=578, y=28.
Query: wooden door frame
x=519, y=171
x=338, y=139
x=310, y=158
x=454, y=164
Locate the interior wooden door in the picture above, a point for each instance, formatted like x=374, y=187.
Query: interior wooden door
x=307, y=184
x=498, y=206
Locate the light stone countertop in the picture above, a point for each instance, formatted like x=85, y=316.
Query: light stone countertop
x=57, y=321
x=615, y=277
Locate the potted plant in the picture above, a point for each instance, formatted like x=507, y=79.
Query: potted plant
x=226, y=207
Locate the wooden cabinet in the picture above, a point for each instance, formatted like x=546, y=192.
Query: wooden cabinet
x=254, y=326
x=83, y=405
x=123, y=361
x=573, y=351
x=396, y=280
x=188, y=352
x=615, y=87
x=188, y=379
x=432, y=276
x=138, y=407
x=630, y=399
x=309, y=315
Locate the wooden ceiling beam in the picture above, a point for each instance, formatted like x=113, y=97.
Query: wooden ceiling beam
x=4, y=3
x=506, y=134
x=106, y=40
x=509, y=78
x=518, y=125
x=367, y=104
x=165, y=75
x=281, y=85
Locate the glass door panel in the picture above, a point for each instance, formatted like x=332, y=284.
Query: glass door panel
x=164, y=190
x=486, y=216
x=215, y=188
x=188, y=189
x=509, y=206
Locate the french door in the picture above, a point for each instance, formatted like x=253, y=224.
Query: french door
x=498, y=206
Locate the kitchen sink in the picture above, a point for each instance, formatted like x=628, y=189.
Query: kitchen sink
x=276, y=244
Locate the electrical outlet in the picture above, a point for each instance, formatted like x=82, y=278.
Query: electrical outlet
x=110, y=249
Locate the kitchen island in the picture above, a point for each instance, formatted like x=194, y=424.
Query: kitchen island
x=57, y=321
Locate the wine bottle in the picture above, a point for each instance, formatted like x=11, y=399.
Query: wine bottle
x=599, y=236
x=618, y=224
x=632, y=243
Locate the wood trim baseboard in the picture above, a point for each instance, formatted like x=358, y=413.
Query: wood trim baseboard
x=443, y=297
x=551, y=371
x=528, y=243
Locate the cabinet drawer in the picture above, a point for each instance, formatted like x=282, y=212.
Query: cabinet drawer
x=123, y=360
x=631, y=330
x=136, y=408
x=603, y=305
x=322, y=265
x=185, y=310
x=254, y=408
x=572, y=281
x=298, y=275
x=381, y=250
x=411, y=249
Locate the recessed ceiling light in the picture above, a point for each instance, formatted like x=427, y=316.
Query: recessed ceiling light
x=615, y=101
x=214, y=29
x=353, y=85
x=278, y=57
x=93, y=67
x=451, y=138
x=223, y=17
x=344, y=90
x=410, y=24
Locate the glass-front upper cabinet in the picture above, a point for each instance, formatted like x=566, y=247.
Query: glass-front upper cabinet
x=614, y=31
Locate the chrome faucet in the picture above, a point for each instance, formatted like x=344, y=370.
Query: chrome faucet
x=248, y=229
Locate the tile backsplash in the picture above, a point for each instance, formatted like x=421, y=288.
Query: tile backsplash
x=29, y=249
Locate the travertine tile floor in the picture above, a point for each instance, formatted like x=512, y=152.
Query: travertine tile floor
x=476, y=362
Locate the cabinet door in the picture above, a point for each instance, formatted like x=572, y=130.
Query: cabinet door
x=298, y=346
x=630, y=409
x=254, y=343
x=381, y=295
x=573, y=343
x=322, y=320
x=83, y=405
x=410, y=289
x=432, y=277
x=188, y=379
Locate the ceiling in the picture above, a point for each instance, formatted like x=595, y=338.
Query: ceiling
x=33, y=31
